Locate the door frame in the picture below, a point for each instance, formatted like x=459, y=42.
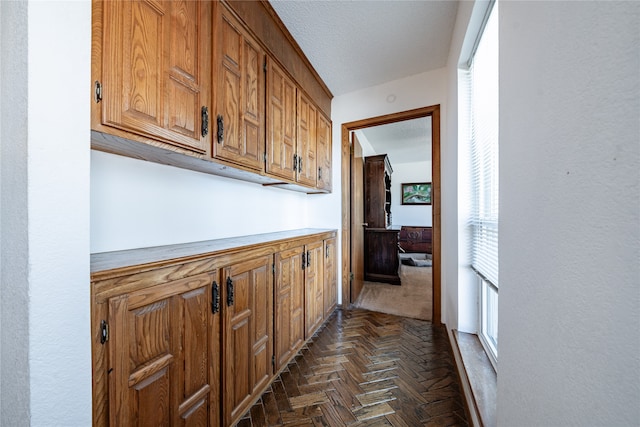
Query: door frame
x=433, y=112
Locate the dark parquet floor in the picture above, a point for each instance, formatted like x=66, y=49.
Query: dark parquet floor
x=364, y=368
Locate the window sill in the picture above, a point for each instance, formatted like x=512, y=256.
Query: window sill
x=479, y=379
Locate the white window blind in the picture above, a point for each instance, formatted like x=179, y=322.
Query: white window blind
x=484, y=153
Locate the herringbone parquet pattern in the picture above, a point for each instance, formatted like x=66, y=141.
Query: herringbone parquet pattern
x=366, y=369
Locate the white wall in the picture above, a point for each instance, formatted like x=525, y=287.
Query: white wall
x=459, y=307
x=139, y=204
x=409, y=214
x=569, y=214
x=58, y=189
x=46, y=352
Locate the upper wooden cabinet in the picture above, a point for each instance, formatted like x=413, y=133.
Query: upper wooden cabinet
x=281, y=123
x=296, y=132
x=188, y=84
x=323, y=143
x=152, y=67
x=307, y=119
x=239, y=121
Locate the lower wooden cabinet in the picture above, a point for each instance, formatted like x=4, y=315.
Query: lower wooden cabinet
x=330, y=292
x=247, y=334
x=289, y=304
x=195, y=340
x=159, y=354
x=313, y=288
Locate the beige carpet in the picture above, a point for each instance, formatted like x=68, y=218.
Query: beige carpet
x=411, y=299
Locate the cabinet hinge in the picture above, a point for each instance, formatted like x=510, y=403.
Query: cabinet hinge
x=97, y=94
x=104, y=332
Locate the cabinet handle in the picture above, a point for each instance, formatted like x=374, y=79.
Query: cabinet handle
x=326, y=251
x=229, y=291
x=220, y=134
x=300, y=165
x=295, y=162
x=97, y=93
x=215, y=298
x=304, y=260
x=308, y=258
x=320, y=173
x=205, y=121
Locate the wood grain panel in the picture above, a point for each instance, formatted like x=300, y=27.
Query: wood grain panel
x=194, y=340
x=289, y=304
x=264, y=22
x=323, y=143
x=330, y=291
x=153, y=61
x=159, y=354
x=100, y=382
x=281, y=122
x=314, y=301
x=306, y=140
x=184, y=82
x=247, y=333
x=240, y=94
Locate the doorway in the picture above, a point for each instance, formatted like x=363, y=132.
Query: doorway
x=349, y=258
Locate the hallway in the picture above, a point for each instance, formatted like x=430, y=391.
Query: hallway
x=365, y=368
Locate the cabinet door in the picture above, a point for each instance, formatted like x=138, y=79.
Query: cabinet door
x=239, y=122
x=159, y=353
x=314, y=302
x=281, y=123
x=155, y=69
x=289, y=304
x=306, y=140
x=330, y=277
x=324, y=153
x=247, y=334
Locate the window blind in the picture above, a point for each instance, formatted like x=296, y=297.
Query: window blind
x=484, y=102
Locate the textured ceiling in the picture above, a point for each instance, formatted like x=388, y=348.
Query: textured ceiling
x=358, y=44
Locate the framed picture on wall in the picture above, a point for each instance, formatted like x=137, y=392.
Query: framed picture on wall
x=416, y=193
